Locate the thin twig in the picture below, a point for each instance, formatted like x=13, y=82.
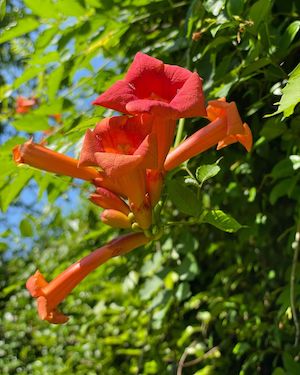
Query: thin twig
x=295, y=246
x=183, y=364
x=183, y=358
x=200, y=359
x=179, y=133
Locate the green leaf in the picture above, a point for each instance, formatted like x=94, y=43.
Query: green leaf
x=273, y=128
x=191, y=181
x=258, y=13
x=214, y=6
x=279, y=371
x=31, y=123
x=27, y=75
x=24, y=26
x=7, y=165
x=2, y=9
x=26, y=228
x=45, y=59
x=184, y=198
x=255, y=66
x=151, y=286
x=183, y=291
x=207, y=370
x=290, y=94
x=222, y=221
x=6, y=148
x=284, y=187
x=13, y=189
x=45, y=38
x=42, y=8
x=234, y=7
x=70, y=8
x=188, y=269
x=204, y=172
x=286, y=167
x=291, y=366
x=54, y=80
x=289, y=35
x=84, y=125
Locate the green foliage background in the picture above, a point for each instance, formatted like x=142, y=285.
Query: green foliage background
x=199, y=301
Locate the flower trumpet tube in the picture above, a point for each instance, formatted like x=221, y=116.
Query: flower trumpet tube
x=226, y=128
x=198, y=142
x=155, y=181
x=43, y=158
x=164, y=130
x=50, y=295
x=115, y=219
x=106, y=199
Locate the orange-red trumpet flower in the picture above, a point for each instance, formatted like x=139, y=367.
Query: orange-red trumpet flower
x=150, y=86
x=50, y=295
x=226, y=128
x=24, y=105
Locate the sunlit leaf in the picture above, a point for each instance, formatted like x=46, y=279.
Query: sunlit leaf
x=42, y=8
x=31, y=123
x=22, y=27
x=2, y=9
x=54, y=80
x=290, y=94
x=15, y=186
x=222, y=221
x=204, y=172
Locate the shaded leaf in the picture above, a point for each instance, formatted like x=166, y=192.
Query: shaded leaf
x=183, y=198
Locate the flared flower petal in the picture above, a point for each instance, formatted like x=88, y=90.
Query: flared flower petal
x=118, y=145
x=116, y=164
x=220, y=108
x=245, y=139
x=237, y=131
x=150, y=86
x=43, y=158
x=117, y=96
x=50, y=295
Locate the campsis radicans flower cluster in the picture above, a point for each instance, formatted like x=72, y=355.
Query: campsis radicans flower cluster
x=126, y=158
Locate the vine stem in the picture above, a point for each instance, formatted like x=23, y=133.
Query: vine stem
x=179, y=132
x=295, y=246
